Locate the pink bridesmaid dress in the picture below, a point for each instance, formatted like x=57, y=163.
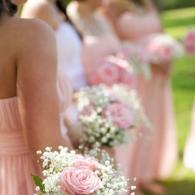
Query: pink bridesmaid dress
x=96, y=49
x=189, y=157
x=155, y=156
x=16, y=162
x=99, y=38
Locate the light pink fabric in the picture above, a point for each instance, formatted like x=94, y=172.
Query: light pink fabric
x=97, y=48
x=65, y=92
x=189, y=154
x=16, y=164
x=153, y=156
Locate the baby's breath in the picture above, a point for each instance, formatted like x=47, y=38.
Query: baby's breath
x=55, y=162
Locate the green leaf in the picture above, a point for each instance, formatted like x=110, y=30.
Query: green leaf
x=39, y=182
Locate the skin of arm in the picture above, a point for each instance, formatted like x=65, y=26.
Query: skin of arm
x=36, y=87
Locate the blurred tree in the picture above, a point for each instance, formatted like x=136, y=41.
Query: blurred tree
x=171, y=4
x=67, y=1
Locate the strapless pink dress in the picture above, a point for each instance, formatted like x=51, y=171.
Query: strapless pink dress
x=16, y=163
x=155, y=156
x=95, y=49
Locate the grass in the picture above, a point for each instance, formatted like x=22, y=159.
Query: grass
x=183, y=82
x=176, y=23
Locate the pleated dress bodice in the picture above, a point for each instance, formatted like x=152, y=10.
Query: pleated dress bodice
x=11, y=135
x=16, y=162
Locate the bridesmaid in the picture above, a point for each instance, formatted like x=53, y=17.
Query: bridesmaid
x=125, y=14
x=29, y=110
x=86, y=17
x=98, y=35
x=68, y=44
x=154, y=158
x=68, y=38
x=189, y=158
x=70, y=57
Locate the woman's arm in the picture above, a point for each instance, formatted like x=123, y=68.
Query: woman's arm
x=36, y=86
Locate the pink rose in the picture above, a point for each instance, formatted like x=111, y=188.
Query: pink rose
x=88, y=163
x=108, y=74
x=189, y=42
x=119, y=114
x=166, y=54
x=75, y=181
x=93, y=78
x=160, y=54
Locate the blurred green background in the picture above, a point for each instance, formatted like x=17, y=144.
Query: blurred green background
x=173, y=4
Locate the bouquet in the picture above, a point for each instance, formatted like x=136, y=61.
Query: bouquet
x=69, y=173
x=162, y=49
x=189, y=42
x=113, y=70
x=131, y=99
x=137, y=57
x=105, y=116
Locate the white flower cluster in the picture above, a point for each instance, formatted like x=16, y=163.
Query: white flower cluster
x=54, y=163
x=112, y=181
x=99, y=130
x=99, y=95
x=96, y=127
x=116, y=128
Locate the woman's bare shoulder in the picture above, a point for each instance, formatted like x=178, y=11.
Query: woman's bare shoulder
x=31, y=39
x=30, y=26
x=26, y=32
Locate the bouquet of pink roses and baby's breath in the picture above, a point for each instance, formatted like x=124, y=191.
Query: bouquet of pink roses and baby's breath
x=108, y=118
x=113, y=70
x=69, y=173
x=162, y=49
